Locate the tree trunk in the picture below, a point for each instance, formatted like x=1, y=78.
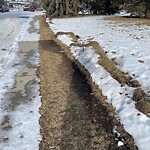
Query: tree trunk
x=56, y=11
x=68, y=10
x=59, y=8
x=76, y=6
x=147, y=9
x=62, y=12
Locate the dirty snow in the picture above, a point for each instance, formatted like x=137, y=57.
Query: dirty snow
x=25, y=128
x=129, y=44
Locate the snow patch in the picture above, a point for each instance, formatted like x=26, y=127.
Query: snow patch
x=130, y=48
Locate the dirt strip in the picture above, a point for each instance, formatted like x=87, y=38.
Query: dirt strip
x=72, y=118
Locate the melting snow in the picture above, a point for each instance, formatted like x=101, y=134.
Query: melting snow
x=129, y=45
x=24, y=120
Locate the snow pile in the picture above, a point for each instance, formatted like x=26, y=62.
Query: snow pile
x=130, y=48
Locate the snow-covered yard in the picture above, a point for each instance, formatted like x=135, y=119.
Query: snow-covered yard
x=129, y=45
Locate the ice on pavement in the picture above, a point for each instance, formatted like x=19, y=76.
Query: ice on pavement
x=8, y=31
x=23, y=122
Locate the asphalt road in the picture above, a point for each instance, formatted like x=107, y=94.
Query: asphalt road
x=12, y=14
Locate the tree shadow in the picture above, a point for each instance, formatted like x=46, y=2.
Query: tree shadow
x=87, y=123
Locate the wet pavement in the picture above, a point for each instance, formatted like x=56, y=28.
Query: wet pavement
x=23, y=92
x=20, y=100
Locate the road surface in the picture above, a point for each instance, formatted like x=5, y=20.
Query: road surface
x=19, y=84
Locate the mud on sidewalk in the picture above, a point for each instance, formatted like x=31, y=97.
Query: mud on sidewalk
x=72, y=118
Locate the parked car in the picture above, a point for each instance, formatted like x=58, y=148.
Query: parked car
x=26, y=9
x=29, y=9
x=1, y=8
x=4, y=8
x=32, y=9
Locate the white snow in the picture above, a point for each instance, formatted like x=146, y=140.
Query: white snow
x=127, y=43
x=25, y=132
x=120, y=143
x=65, y=38
x=6, y=38
x=123, y=13
x=26, y=36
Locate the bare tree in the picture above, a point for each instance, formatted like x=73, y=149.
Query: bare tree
x=2, y=2
x=147, y=8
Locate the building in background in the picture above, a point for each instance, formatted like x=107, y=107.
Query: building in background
x=18, y=3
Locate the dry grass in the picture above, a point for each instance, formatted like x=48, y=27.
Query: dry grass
x=72, y=118
x=138, y=21
x=115, y=72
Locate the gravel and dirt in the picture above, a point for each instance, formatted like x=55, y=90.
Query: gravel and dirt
x=74, y=114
